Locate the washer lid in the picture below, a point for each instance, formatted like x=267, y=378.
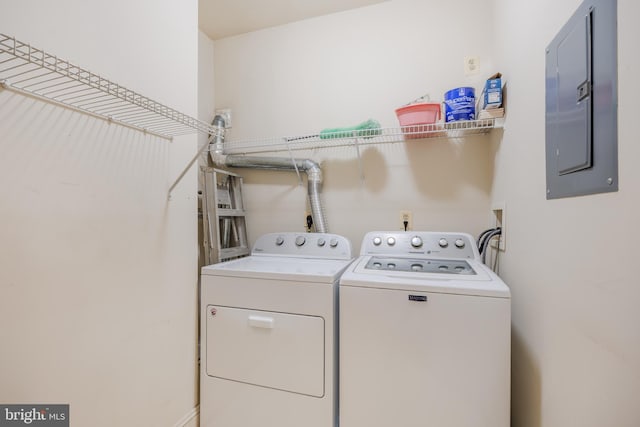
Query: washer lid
x=282, y=268
x=482, y=282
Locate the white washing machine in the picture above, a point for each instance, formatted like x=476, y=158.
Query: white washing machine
x=269, y=334
x=424, y=335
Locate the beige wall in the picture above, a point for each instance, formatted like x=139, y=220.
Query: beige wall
x=98, y=270
x=340, y=70
x=569, y=262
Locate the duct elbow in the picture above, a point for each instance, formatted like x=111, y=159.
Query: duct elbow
x=218, y=121
x=314, y=173
x=218, y=158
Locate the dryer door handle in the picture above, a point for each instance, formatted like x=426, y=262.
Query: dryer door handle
x=261, y=322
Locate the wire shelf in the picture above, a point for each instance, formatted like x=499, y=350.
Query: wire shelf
x=361, y=137
x=34, y=72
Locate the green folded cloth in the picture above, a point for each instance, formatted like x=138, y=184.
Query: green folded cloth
x=367, y=129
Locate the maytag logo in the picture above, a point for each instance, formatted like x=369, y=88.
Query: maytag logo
x=419, y=298
x=36, y=415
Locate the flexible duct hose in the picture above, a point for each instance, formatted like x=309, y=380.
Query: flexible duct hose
x=311, y=168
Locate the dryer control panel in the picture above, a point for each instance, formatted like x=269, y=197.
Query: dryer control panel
x=308, y=245
x=427, y=243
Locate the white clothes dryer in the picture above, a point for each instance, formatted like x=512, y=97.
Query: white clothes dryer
x=424, y=334
x=269, y=333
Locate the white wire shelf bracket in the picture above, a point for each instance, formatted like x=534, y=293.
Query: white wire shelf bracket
x=34, y=72
x=361, y=137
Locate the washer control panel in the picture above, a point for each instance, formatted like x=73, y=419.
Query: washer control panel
x=406, y=243
x=308, y=245
x=422, y=265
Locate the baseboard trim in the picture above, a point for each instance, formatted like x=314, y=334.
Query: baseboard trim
x=188, y=418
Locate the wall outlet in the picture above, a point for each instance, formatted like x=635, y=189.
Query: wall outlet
x=226, y=115
x=471, y=65
x=408, y=217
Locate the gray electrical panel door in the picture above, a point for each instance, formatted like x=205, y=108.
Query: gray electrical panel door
x=571, y=125
x=581, y=103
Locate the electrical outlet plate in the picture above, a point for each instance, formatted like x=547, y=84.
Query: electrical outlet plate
x=226, y=115
x=498, y=219
x=406, y=216
x=471, y=65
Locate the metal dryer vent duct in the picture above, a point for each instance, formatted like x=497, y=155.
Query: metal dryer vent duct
x=311, y=168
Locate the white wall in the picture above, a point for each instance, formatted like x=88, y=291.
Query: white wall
x=98, y=270
x=340, y=70
x=569, y=262
x=206, y=93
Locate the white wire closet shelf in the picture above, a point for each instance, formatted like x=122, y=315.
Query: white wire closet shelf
x=361, y=137
x=34, y=72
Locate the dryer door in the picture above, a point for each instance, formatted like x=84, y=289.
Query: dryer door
x=269, y=349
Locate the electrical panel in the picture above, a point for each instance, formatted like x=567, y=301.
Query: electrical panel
x=581, y=103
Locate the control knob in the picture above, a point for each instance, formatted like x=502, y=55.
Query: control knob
x=279, y=240
x=377, y=241
x=300, y=240
x=321, y=242
x=333, y=243
x=416, y=242
x=443, y=243
x=391, y=241
x=459, y=243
